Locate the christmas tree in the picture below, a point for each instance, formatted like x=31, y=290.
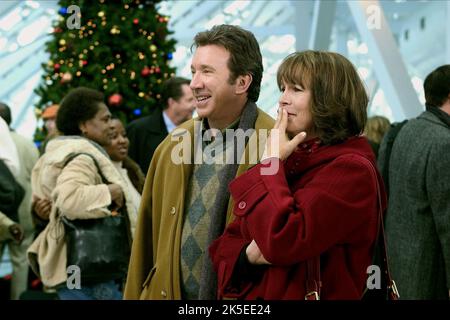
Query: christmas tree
x=119, y=47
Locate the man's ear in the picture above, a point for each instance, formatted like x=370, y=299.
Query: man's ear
x=243, y=82
x=170, y=103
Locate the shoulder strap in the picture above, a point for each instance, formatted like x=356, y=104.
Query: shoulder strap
x=381, y=237
x=72, y=156
x=313, y=283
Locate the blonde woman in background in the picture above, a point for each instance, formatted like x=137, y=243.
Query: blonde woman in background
x=376, y=128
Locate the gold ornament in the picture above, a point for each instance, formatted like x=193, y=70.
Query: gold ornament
x=101, y=14
x=153, y=48
x=62, y=42
x=115, y=30
x=66, y=77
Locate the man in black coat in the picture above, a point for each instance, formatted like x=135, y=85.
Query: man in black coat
x=146, y=134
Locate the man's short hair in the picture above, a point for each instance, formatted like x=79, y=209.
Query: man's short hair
x=172, y=88
x=437, y=86
x=79, y=105
x=245, y=54
x=5, y=113
x=338, y=97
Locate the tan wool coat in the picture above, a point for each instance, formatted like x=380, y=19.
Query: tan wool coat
x=154, y=271
x=77, y=192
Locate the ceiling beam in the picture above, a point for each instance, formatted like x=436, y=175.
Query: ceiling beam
x=302, y=23
x=387, y=61
x=322, y=23
x=7, y=6
x=447, y=34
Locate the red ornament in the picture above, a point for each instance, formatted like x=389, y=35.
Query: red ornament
x=157, y=70
x=57, y=30
x=56, y=66
x=115, y=100
x=84, y=62
x=145, y=72
x=162, y=20
x=136, y=21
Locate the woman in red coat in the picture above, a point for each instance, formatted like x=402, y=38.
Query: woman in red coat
x=319, y=210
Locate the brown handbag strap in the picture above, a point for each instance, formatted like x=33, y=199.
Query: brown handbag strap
x=313, y=283
x=381, y=236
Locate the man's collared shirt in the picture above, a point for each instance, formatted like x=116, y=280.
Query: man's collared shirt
x=169, y=124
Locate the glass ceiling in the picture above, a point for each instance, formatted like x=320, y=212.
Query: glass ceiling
x=25, y=26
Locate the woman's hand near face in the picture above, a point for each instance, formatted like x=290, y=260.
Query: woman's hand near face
x=278, y=145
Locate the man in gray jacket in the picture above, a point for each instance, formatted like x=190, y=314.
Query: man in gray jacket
x=418, y=217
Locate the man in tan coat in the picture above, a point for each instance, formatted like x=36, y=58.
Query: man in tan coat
x=186, y=203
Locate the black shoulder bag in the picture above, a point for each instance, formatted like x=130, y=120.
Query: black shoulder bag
x=99, y=247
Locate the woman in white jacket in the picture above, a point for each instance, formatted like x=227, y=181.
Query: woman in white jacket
x=76, y=189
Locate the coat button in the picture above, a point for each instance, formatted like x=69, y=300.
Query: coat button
x=164, y=293
x=173, y=210
x=242, y=205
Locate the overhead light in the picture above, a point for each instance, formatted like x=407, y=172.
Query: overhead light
x=395, y=15
x=362, y=48
x=417, y=83
x=33, y=4
x=219, y=19
x=236, y=22
x=13, y=47
x=363, y=72
x=236, y=6
x=11, y=19
x=246, y=14
x=3, y=42
x=352, y=46
x=25, y=12
x=280, y=44
x=28, y=34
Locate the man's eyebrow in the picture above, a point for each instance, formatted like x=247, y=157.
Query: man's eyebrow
x=204, y=66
